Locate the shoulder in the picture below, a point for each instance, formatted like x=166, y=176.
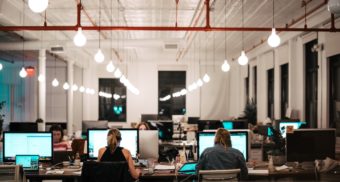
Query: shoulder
x=102, y=150
x=126, y=153
x=236, y=151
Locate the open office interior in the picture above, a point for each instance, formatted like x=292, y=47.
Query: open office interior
x=87, y=64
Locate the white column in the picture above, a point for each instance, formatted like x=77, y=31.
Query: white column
x=42, y=89
x=70, y=99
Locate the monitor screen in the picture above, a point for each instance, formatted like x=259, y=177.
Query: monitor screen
x=23, y=127
x=193, y=120
x=228, y=125
x=165, y=129
x=35, y=143
x=239, y=140
x=284, y=126
x=209, y=125
x=310, y=144
x=97, y=139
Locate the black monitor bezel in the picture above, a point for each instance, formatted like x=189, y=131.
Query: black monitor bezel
x=100, y=129
x=291, y=159
x=40, y=160
x=231, y=132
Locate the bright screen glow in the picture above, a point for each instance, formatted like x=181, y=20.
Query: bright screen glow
x=28, y=161
x=238, y=141
x=27, y=144
x=98, y=139
x=283, y=127
x=228, y=125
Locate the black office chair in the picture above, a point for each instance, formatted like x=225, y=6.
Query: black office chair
x=94, y=171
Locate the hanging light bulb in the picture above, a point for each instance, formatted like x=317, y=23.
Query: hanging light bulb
x=194, y=86
x=66, y=86
x=274, y=40
x=81, y=89
x=79, y=39
x=117, y=73
x=243, y=59
x=23, y=72
x=74, y=87
x=99, y=56
x=110, y=67
x=41, y=78
x=55, y=82
x=225, y=66
x=38, y=6
x=199, y=82
x=122, y=79
x=206, y=78
x=1, y=66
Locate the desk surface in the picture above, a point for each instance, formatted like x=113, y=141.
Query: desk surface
x=168, y=175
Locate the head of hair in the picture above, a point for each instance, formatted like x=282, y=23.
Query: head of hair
x=223, y=137
x=39, y=120
x=145, y=124
x=113, y=138
x=57, y=127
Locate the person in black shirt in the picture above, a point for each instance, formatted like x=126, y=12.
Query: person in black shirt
x=114, y=153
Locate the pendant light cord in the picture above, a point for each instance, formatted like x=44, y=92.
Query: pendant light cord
x=273, y=13
x=225, y=32
x=111, y=31
x=23, y=35
x=242, y=25
x=99, y=22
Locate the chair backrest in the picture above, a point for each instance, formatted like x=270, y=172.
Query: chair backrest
x=94, y=171
x=218, y=175
x=11, y=173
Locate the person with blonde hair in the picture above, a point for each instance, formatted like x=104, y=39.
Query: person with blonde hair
x=114, y=153
x=222, y=155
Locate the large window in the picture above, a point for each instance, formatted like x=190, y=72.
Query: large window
x=334, y=93
x=311, y=60
x=112, y=109
x=170, y=82
x=246, y=80
x=255, y=84
x=270, y=99
x=284, y=89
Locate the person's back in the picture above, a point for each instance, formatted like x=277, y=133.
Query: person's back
x=222, y=155
x=116, y=156
x=221, y=158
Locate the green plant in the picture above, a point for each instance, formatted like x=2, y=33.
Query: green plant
x=250, y=112
x=279, y=143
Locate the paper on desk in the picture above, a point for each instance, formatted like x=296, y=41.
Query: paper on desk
x=279, y=168
x=257, y=171
x=55, y=172
x=164, y=167
x=77, y=172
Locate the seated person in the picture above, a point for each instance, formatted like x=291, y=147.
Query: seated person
x=58, y=135
x=143, y=126
x=222, y=155
x=114, y=153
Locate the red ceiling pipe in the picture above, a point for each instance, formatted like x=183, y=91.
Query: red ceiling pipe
x=207, y=14
x=126, y=28
x=79, y=6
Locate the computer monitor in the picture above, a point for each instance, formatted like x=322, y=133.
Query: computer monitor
x=240, y=124
x=193, y=120
x=148, y=117
x=23, y=127
x=94, y=124
x=310, y=144
x=97, y=138
x=228, y=125
x=209, y=124
x=165, y=129
x=28, y=143
x=148, y=144
x=284, y=126
x=265, y=130
x=239, y=140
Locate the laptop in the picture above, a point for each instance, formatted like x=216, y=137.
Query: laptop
x=188, y=168
x=28, y=162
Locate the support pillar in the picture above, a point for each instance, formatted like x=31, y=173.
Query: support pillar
x=42, y=89
x=70, y=73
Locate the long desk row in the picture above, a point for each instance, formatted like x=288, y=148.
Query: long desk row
x=254, y=174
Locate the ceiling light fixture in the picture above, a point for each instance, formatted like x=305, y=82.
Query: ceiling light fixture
x=273, y=40
x=99, y=56
x=66, y=86
x=38, y=6
x=1, y=66
x=55, y=82
x=225, y=66
x=206, y=77
x=74, y=87
x=79, y=39
x=110, y=67
x=81, y=89
x=243, y=59
x=41, y=78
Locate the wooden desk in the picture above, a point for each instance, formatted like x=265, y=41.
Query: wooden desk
x=40, y=175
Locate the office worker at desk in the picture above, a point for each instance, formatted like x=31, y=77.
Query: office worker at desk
x=143, y=126
x=114, y=153
x=222, y=155
x=58, y=134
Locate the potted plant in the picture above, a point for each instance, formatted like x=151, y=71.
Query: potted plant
x=278, y=150
x=250, y=112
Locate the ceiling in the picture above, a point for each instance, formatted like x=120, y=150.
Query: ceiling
x=138, y=45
